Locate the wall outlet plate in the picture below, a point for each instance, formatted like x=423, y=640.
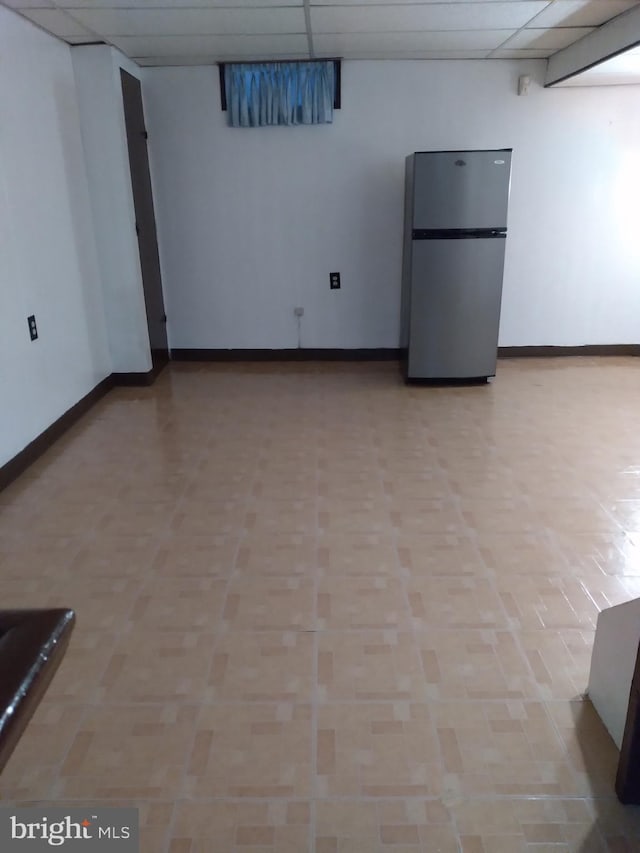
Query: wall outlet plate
x=299, y=311
x=334, y=280
x=33, y=328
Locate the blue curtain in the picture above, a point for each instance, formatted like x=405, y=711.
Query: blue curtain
x=279, y=93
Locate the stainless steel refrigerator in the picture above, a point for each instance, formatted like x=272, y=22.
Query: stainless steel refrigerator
x=455, y=235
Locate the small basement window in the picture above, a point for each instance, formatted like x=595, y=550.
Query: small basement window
x=255, y=94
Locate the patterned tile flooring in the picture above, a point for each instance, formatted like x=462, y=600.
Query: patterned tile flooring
x=319, y=610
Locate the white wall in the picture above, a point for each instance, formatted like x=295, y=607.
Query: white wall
x=49, y=262
x=97, y=71
x=251, y=222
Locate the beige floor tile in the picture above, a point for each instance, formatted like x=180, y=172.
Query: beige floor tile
x=85, y=661
x=251, y=750
x=503, y=748
x=285, y=554
x=369, y=666
x=491, y=515
x=353, y=516
x=377, y=750
x=266, y=515
x=560, y=661
x=545, y=601
x=35, y=764
x=269, y=604
x=354, y=554
x=474, y=664
x=521, y=553
x=397, y=825
x=319, y=610
x=200, y=556
x=455, y=602
x=180, y=604
x=427, y=516
x=528, y=825
x=278, y=826
x=105, y=556
x=195, y=517
x=613, y=553
x=361, y=602
x=158, y=666
x=437, y=554
x=269, y=667
x=128, y=751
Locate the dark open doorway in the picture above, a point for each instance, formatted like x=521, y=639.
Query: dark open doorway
x=145, y=219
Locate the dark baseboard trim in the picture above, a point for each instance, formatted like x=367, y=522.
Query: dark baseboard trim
x=321, y=354
x=127, y=380
x=34, y=450
x=12, y=469
x=553, y=352
x=133, y=379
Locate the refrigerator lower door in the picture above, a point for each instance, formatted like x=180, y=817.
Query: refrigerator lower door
x=456, y=290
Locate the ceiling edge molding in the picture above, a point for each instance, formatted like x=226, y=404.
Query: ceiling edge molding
x=616, y=36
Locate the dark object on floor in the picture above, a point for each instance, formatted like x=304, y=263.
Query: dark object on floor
x=628, y=776
x=32, y=645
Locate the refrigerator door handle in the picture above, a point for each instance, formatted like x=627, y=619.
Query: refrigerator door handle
x=457, y=233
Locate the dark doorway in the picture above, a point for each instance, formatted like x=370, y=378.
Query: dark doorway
x=145, y=219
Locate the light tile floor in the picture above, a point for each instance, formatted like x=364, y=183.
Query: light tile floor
x=319, y=610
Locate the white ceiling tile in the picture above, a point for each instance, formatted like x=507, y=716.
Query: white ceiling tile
x=410, y=18
x=167, y=22
x=346, y=44
x=581, y=13
x=55, y=21
x=205, y=59
x=256, y=47
x=553, y=39
x=28, y=4
x=521, y=54
x=400, y=2
x=169, y=4
x=417, y=54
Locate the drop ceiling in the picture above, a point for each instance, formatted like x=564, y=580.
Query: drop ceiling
x=196, y=32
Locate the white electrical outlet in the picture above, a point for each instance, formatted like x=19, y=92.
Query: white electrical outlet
x=299, y=311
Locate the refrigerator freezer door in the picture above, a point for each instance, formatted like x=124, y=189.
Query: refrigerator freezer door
x=461, y=189
x=456, y=290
